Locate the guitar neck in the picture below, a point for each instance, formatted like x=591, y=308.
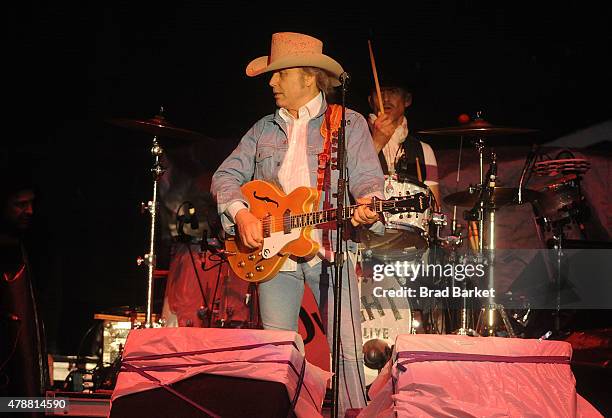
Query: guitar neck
x=330, y=215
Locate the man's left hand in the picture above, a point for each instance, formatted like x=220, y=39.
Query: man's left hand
x=363, y=215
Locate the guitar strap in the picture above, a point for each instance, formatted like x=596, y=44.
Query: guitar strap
x=329, y=132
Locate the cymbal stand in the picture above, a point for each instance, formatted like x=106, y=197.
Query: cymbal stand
x=453, y=242
x=150, y=258
x=558, y=239
x=486, y=209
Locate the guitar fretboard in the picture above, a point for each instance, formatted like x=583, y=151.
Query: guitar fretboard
x=329, y=215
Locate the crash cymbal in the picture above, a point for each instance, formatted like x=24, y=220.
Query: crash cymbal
x=159, y=127
x=478, y=127
x=502, y=196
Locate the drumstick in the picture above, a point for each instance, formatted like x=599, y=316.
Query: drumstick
x=378, y=94
x=418, y=167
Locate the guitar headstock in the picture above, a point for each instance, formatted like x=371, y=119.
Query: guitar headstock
x=414, y=203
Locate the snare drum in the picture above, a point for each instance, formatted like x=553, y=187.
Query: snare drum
x=404, y=231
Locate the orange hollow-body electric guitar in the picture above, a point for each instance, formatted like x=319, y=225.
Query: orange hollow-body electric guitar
x=287, y=221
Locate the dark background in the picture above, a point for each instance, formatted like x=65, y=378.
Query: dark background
x=69, y=68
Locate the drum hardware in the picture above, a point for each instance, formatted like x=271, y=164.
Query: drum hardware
x=160, y=127
x=406, y=234
x=484, y=200
x=478, y=127
x=501, y=196
x=157, y=126
x=558, y=205
x=561, y=202
x=484, y=207
x=562, y=166
x=376, y=353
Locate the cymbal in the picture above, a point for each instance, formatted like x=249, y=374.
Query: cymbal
x=160, y=127
x=502, y=196
x=478, y=127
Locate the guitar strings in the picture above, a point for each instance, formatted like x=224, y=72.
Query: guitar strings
x=278, y=224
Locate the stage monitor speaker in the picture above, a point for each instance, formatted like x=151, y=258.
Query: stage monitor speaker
x=224, y=396
x=198, y=372
x=442, y=375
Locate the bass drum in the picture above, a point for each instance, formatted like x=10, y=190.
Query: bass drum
x=382, y=320
x=405, y=233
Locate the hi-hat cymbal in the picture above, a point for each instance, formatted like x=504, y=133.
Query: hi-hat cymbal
x=160, y=127
x=502, y=196
x=478, y=127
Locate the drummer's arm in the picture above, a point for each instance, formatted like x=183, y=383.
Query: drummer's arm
x=382, y=130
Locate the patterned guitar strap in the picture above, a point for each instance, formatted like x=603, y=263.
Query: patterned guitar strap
x=329, y=132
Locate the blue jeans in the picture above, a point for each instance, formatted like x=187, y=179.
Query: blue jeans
x=280, y=300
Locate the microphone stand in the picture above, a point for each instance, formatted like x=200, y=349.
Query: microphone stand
x=338, y=254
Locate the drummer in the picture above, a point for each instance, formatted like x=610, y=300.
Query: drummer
x=398, y=151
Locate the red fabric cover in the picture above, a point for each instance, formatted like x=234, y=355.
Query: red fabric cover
x=173, y=354
x=477, y=388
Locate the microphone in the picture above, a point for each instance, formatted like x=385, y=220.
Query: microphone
x=206, y=246
x=345, y=78
x=528, y=161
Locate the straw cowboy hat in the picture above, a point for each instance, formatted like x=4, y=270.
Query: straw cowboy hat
x=291, y=49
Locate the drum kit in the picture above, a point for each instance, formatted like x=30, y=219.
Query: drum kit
x=410, y=236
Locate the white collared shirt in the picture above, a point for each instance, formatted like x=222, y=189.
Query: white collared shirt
x=393, y=150
x=294, y=171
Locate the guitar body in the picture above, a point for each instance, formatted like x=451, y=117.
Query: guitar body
x=269, y=204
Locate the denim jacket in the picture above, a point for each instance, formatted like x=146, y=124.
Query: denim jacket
x=262, y=149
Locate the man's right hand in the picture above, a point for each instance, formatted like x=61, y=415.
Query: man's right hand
x=249, y=228
x=382, y=131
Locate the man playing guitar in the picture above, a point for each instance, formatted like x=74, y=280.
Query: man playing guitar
x=295, y=147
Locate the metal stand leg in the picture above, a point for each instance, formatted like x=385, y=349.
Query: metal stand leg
x=150, y=258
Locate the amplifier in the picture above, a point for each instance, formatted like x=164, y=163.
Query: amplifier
x=96, y=404
x=62, y=366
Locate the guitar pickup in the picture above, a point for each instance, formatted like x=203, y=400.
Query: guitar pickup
x=287, y=221
x=266, y=225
